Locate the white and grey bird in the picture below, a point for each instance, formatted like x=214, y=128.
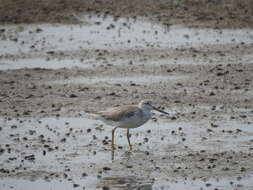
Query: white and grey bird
x=128, y=116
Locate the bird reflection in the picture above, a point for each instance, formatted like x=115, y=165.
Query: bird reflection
x=127, y=155
x=127, y=182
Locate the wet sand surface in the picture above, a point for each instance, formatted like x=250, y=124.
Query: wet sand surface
x=53, y=75
x=208, y=13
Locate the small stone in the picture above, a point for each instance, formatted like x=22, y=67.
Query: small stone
x=106, y=168
x=30, y=157
x=73, y=96
x=88, y=130
x=76, y=185
x=145, y=139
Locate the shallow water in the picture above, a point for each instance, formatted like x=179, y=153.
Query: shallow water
x=42, y=63
x=121, y=80
x=55, y=129
x=126, y=182
x=119, y=182
x=106, y=33
x=21, y=184
x=83, y=150
x=224, y=184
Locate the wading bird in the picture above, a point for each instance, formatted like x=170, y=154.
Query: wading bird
x=128, y=117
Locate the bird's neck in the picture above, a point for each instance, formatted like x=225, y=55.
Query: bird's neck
x=145, y=109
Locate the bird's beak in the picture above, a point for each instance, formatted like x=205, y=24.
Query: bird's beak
x=160, y=110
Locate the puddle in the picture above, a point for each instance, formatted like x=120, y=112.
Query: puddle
x=42, y=63
x=129, y=182
x=143, y=79
x=224, y=184
x=110, y=33
x=57, y=132
x=245, y=58
x=80, y=137
x=20, y=184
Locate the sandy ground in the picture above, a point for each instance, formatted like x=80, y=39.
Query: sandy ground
x=46, y=136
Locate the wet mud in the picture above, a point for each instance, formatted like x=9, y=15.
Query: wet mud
x=207, y=13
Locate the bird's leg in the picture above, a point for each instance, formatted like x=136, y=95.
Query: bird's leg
x=112, y=154
x=113, y=138
x=128, y=139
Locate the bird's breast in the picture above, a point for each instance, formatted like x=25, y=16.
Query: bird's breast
x=136, y=120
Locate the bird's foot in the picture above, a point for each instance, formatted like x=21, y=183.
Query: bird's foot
x=113, y=147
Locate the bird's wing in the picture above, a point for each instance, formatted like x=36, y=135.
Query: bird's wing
x=119, y=113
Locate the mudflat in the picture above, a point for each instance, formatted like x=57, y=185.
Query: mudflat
x=62, y=60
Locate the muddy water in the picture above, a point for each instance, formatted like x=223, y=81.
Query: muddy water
x=56, y=148
x=121, y=80
x=107, y=33
x=42, y=63
x=36, y=42
x=127, y=182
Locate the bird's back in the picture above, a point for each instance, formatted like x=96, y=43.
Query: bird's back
x=129, y=116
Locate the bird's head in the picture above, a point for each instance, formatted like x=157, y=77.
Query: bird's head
x=147, y=105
